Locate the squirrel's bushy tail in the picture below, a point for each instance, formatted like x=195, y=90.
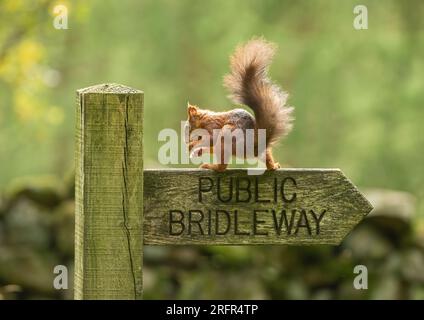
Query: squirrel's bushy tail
x=249, y=84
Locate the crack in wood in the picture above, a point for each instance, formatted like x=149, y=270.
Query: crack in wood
x=125, y=197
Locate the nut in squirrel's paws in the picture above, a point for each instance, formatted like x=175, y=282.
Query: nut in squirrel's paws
x=197, y=152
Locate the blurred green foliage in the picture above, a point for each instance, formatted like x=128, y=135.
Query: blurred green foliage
x=358, y=94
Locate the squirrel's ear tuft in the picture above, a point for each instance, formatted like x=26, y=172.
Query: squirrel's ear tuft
x=191, y=110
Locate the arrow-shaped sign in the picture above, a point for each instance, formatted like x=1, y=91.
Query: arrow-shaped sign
x=288, y=206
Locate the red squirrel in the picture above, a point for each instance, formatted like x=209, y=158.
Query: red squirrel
x=249, y=84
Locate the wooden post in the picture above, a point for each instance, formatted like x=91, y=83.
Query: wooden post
x=109, y=193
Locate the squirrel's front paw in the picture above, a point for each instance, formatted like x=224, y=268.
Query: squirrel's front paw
x=274, y=166
x=214, y=167
x=206, y=166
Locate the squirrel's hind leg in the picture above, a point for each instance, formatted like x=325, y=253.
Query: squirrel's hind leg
x=270, y=163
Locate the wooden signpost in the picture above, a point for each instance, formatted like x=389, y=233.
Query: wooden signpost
x=288, y=206
x=120, y=207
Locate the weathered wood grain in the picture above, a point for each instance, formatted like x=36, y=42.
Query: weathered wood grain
x=326, y=191
x=109, y=193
